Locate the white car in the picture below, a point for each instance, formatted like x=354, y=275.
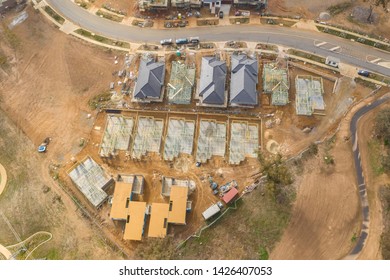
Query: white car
x=166, y=42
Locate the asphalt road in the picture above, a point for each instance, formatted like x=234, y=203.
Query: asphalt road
x=359, y=173
x=352, y=52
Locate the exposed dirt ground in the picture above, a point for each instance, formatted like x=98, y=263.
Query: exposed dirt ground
x=372, y=250
x=31, y=203
x=312, y=9
x=44, y=90
x=152, y=167
x=327, y=230
x=289, y=133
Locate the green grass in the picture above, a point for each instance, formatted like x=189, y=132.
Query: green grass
x=242, y=20
x=360, y=39
x=109, y=16
x=248, y=232
x=263, y=254
x=384, y=194
x=205, y=22
x=102, y=39
x=99, y=100
x=54, y=15
x=380, y=78
x=365, y=83
x=306, y=55
x=375, y=151
x=11, y=38
x=53, y=254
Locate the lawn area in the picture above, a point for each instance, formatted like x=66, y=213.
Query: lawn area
x=307, y=55
x=375, y=152
x=102, y=39
x=54, y=15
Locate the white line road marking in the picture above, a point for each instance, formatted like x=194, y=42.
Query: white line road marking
x=335, y=49
x=376, y=60
x=320, y=44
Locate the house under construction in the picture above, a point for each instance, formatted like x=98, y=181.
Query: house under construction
x=181, y=83
x=148, y=136
x=275, y=82
x=309, y=95
x=244, y=141
x=180, y=138
x=211, y=141
x=91, y=179
x=116, y=135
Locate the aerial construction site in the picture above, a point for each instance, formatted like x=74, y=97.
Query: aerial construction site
x=171, y=147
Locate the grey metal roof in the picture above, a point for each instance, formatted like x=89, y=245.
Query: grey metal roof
x=212, y=81
x=243, y=81
x=150, y=79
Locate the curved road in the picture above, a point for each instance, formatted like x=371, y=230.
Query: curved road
x=352, y=52
x=359, y=174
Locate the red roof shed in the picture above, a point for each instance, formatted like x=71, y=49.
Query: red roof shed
x=230, y=195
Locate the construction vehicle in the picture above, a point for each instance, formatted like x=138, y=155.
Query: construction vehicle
x=228, y=186
x=43, y=147
x=212, y=210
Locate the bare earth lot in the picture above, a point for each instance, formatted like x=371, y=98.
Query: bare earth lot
x=44, y=91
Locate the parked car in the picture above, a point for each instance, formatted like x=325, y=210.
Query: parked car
x=181, y=41
x=194, y=40
x=166, y=42
x=364, y=73
x=220, y=14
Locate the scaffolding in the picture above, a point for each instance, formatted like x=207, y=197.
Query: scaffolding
x=116, y=135
x=244, y=141
x=211, y=140
x=180, y=138
x=309, y=95
x=181, y=83
x=275, y=82
x=148, y=136
x=91, y=180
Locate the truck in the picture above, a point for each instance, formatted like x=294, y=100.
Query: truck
x=212, y=210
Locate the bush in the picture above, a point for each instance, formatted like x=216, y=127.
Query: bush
x=382, y=125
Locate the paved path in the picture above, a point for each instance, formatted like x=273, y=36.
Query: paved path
x=3, y=181
x=360, y=176
x=351, y=52
x=3, y=178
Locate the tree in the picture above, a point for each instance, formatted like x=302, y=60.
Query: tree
x=376, y=3
x=278, y=174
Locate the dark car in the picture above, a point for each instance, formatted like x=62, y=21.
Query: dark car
x=364, y=73
x=181, y=41
x=220, y=14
